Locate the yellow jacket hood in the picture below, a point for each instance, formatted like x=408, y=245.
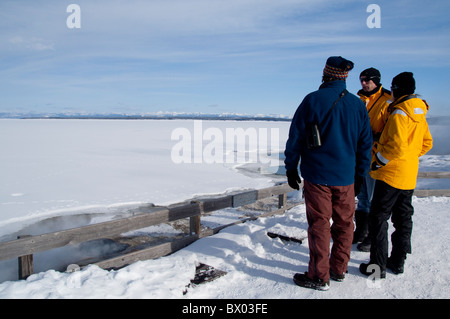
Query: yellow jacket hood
x=413, y=107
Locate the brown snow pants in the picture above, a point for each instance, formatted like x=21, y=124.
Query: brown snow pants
x=322, y=203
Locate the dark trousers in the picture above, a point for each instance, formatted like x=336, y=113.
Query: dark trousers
x=323, y=203
x=388, y=201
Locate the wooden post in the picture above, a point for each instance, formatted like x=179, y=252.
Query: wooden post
x=25, y=263
x=282, y=200
x=194, y=221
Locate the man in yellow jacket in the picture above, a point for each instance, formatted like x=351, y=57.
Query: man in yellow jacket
x=395, y=164
x=377, y=99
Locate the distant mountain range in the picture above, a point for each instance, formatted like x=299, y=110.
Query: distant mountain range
x=148, y=116
x=434, y=120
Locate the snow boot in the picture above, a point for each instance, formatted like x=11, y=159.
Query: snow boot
x=337, y=277
x=396, y=264
x=303, y=280
x=362, y=226
x=365, y=245
x=363, y=268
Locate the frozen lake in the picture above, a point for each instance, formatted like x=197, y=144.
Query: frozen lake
x=61, y=167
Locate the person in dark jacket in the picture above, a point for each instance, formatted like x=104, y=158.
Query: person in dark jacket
x=332, y=172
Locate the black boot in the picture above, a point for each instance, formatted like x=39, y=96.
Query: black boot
x=396, y=263
x=303, y=280
x=362, y=226
x=365, y=245
x=372, y=269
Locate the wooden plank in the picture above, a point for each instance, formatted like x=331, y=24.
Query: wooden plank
x=274, y=191
x=213, y=204
x=433, y=175
x=432, y=192
x=148, y=253
x=245, y=198
x=183, y=210
x=31, y=245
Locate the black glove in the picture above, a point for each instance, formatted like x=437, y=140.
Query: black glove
x=358, y=183
x=293, y=179
x=375, y=166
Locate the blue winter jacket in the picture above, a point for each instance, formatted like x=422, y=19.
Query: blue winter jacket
x=345, y=134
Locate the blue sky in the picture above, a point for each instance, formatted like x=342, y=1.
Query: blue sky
x=210, y=56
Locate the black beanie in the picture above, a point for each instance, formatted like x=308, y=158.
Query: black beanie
x=372, y=74
x=403, y=84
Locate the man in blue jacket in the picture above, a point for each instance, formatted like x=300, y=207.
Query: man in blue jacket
x=332, y=170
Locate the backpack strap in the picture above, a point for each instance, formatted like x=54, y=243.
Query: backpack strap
x=341, y=95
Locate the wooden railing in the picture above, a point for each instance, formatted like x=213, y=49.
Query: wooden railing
x=432, y=192
x=25, y=246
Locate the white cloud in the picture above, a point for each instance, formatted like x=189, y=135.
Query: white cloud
x=34, y=44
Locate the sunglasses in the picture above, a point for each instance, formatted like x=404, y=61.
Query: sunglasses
x=366, y=79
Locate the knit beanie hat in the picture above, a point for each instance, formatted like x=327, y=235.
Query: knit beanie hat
x=371, y=74
x=337, y=68
x=403, y=84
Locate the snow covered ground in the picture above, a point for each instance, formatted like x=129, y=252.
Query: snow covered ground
x=67, y=173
